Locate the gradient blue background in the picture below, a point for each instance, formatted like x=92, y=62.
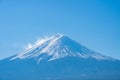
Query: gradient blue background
x=94, y=23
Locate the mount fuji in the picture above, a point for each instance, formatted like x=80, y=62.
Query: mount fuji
x=59, y=58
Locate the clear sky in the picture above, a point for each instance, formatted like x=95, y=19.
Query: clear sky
x=94, y=23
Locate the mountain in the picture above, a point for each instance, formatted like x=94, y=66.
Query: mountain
x=59, y=58
x=57, y=47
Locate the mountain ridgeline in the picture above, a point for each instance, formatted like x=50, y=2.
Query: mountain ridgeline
x=59, y=58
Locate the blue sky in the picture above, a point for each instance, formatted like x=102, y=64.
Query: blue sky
x=94, y=23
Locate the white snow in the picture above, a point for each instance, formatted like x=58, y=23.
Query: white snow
x=54, y=39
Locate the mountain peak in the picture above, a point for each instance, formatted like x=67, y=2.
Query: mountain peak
x=58, y=37
x=56, y=47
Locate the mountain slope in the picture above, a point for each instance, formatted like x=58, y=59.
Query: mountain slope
x=59, y=58
x=56, y=47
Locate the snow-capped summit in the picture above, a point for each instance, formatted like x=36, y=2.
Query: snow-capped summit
x=56, y=47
